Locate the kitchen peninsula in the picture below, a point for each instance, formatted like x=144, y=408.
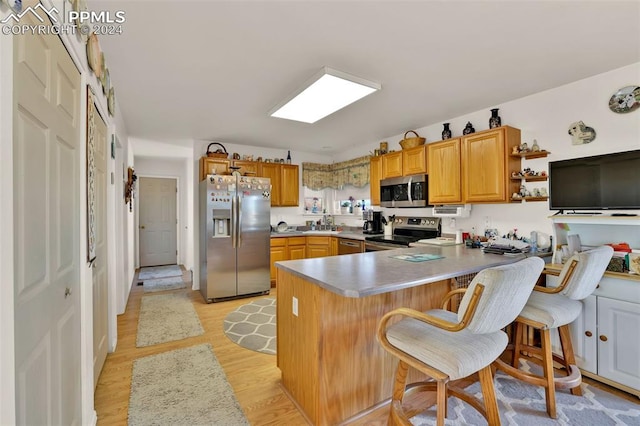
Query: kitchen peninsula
x=327, y=315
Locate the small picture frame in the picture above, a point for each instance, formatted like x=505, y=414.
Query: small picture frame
x=313, y=205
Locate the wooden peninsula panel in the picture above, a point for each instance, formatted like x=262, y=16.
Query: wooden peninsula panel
x=332, y=365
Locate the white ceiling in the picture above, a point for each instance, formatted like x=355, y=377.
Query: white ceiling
x=214, y=69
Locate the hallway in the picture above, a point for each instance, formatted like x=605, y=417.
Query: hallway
x=253, y=375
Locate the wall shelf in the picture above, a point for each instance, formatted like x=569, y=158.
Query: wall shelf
x=531, y=154
x=529, y=199
x=531, y=178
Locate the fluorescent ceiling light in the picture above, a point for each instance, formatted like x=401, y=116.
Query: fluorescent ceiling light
x=325, y=93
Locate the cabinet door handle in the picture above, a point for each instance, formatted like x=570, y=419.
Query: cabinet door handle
x=588, y=333
x=603, y=338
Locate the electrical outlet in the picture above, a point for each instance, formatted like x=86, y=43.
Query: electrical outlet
x=294, y=306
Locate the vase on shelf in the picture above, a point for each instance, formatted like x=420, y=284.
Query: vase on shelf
x=468, y=129
x=446, y=133
x=495, y=120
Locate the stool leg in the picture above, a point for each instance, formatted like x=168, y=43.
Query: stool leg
x=398, y=388
x=517, y=341
x=567, y=354
x=547, y=365
x=441, y=402
x=489, y=396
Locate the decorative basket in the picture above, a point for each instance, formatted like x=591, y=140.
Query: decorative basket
x=219, y=153
x=407, y=143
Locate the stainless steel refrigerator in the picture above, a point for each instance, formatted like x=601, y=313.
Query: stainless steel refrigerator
x=235, y=228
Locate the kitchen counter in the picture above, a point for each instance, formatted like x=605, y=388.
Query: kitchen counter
x=352, y=235
x=328, y=311
x=379, y=272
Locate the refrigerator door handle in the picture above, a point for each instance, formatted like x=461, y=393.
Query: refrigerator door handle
x=239, y=222
x=234, y=212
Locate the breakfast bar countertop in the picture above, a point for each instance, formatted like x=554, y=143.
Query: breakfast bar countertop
x=366, y=274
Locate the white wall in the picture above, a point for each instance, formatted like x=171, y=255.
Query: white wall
x=546, y=117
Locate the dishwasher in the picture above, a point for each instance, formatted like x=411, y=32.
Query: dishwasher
x=346, y=246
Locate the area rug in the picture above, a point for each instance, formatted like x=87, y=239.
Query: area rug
x=182, y=387
x=253, y=326
x=165, y=318
x=161, y=284
x=523, y=404
x=159, y=272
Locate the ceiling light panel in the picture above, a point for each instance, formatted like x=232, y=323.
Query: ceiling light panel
x=325, y=93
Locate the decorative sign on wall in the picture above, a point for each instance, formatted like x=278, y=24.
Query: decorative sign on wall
x=91, y=173
x=625, y=100
x=581, y=134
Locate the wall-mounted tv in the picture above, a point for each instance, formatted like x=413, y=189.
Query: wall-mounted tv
x=601, y=182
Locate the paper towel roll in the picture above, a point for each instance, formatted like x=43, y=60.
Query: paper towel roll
x=388, y=230
x=459, y=236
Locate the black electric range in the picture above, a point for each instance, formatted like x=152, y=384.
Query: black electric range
x=406, y=230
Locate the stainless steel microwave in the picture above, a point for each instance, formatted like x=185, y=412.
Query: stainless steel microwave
x=406, y=191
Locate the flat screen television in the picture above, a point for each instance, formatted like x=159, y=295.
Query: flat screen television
x=600, y=182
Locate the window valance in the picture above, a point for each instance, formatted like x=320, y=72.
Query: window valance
x=354, y=172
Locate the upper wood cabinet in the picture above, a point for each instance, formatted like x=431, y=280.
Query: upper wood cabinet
x=290, y=195
x=486, y=162
x=248, y=166
x=375, y=174
x=392, y=165
x=213, y=166
x=285, y=188
x=445, y=170
x=414, y=160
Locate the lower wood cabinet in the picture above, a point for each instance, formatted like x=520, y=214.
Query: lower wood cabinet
x=278, y=252
x=296, y=248
x=318, y=247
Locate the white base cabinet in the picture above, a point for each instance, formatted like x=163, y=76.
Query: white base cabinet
x=606, y=336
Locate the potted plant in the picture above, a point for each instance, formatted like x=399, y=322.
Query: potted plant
x=345, y=207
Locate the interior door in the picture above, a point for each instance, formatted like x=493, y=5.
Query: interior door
x=47, y=206
x=100, y=269
x=158, y=221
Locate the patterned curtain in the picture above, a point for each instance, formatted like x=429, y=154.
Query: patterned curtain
x=337, y=175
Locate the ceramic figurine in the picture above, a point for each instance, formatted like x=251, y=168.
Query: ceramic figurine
x=543, y=192
x=446, y=133
x=468, y=129
x=581, y=134
x=495, y=120
x=535, y=147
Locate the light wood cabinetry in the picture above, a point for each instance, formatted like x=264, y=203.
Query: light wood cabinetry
x=318, y=247
x=278, y=252
x=213, y=166
x=414, y=161
x=445, y=172
x=601, y=334
x=487, y=165
x=248, y=167
x=290, y=194
x=334, y=246
x=392, y=165
x=273, y=172
x=375, y=174
x=296, y=248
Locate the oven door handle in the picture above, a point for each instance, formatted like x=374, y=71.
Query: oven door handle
x=409, y=190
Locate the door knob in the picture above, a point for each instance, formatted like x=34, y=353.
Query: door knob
x=141, y=226
x=67, y=292
x=603, y=338
x=588, y=333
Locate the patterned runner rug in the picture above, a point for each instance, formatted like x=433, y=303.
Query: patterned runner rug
x=161, y=284
x=182, y=387
x=253, y=326
x=523, y=404
x=167, y=317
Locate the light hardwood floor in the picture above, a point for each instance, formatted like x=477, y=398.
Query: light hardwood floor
x=254, y=376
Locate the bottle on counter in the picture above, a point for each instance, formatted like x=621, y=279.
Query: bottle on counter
x=288, y=157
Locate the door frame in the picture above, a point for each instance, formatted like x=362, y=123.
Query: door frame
x=178, y=217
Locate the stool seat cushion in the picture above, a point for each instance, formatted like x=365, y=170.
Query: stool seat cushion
x=552, y=310
x=457, y=355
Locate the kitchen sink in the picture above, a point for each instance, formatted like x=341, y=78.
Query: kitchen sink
x=321, y=232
